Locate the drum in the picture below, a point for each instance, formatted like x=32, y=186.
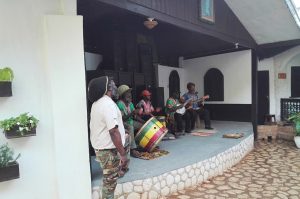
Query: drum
x=162, y=120
x=150, y=134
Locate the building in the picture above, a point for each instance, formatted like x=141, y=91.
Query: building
x=44, y=42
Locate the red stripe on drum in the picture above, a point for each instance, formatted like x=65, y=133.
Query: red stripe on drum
x=152, y=125
x=155, y=139
x=144, y=131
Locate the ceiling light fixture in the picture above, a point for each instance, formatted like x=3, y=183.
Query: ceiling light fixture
x=236, y=45
x=150, y=23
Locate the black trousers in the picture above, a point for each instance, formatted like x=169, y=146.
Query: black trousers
x=179, y=121
x=190, y=118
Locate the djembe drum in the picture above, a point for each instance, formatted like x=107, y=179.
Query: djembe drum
x=150, y=134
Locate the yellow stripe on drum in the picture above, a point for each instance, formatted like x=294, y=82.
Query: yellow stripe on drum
x=145, y=140
x=159, y=124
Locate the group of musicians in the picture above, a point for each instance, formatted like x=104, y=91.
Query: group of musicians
x=177, y=109
x=186, y=107
x=109, y=122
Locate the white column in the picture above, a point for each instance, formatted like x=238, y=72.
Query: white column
x=64, y=55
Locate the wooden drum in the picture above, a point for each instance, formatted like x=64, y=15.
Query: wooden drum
x=150, y=134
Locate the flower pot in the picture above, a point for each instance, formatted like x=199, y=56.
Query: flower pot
x=10, y=172
x=5, y=89
x=13, y=133
x=297, y=141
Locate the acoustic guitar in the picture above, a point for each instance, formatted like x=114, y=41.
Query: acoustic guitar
x=183, y=109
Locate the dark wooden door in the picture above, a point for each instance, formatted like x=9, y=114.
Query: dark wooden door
x=146, y=64
x=295, y=81
x=174, y=82
x=139, y=86
x=263, y=96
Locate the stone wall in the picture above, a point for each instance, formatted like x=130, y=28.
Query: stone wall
x=276, y=132
x=286, y=132
x=182, y=178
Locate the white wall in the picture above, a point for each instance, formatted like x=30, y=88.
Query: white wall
x=68, y=7
x=280, y=88
x=66, y=72
x=236, y=68
x=282, y=64
x=49, y=83
x=268, y=65
x=163, y=78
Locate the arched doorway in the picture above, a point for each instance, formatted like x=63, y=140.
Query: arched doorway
x=174, y=82
x=214, y=84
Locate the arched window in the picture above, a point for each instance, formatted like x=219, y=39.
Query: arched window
x=214, y=84
x=174, y=82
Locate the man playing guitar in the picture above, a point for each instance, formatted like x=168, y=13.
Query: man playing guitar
x=172, y=106
x=193, y=108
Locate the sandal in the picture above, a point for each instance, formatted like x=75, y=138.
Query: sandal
x=134, y=153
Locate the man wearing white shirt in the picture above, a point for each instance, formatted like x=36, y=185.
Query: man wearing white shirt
x=107, y=132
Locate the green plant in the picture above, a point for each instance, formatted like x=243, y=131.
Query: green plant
x=6, y=75
x=6, y=156
x=23, y=123
x=296, y=119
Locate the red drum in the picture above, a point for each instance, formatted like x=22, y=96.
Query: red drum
x=150, y=134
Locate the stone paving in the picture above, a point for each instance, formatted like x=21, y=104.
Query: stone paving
x=271, y=170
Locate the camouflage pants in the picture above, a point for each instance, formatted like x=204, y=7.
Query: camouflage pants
x=109, y=161
x=131, y=133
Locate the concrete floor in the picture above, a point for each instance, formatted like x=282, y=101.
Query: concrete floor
x=271, y=170
x=184, y=151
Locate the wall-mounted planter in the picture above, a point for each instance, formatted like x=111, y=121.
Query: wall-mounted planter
x=10, y=172
x=13, y=133
x=5, y=89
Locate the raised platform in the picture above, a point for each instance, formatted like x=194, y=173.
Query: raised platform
x=191, y=161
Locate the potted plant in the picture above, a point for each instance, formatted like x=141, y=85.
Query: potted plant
x=296, y=119
x=6, y=77
x=9, y=167
x=22, y=126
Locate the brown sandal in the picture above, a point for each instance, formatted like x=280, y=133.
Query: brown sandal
x=134, y=153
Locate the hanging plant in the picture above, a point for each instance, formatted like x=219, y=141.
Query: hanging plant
x=6, y=77
x=21, y=126
x=9, y=167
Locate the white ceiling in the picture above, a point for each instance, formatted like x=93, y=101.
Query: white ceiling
x=267, y=21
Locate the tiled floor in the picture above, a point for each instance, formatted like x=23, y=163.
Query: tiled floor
x=271, y=170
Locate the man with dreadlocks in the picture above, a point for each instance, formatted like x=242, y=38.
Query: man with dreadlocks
x=107, y=132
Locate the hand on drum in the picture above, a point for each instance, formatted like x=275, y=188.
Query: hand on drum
x=158, y=109
x=136, y=111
